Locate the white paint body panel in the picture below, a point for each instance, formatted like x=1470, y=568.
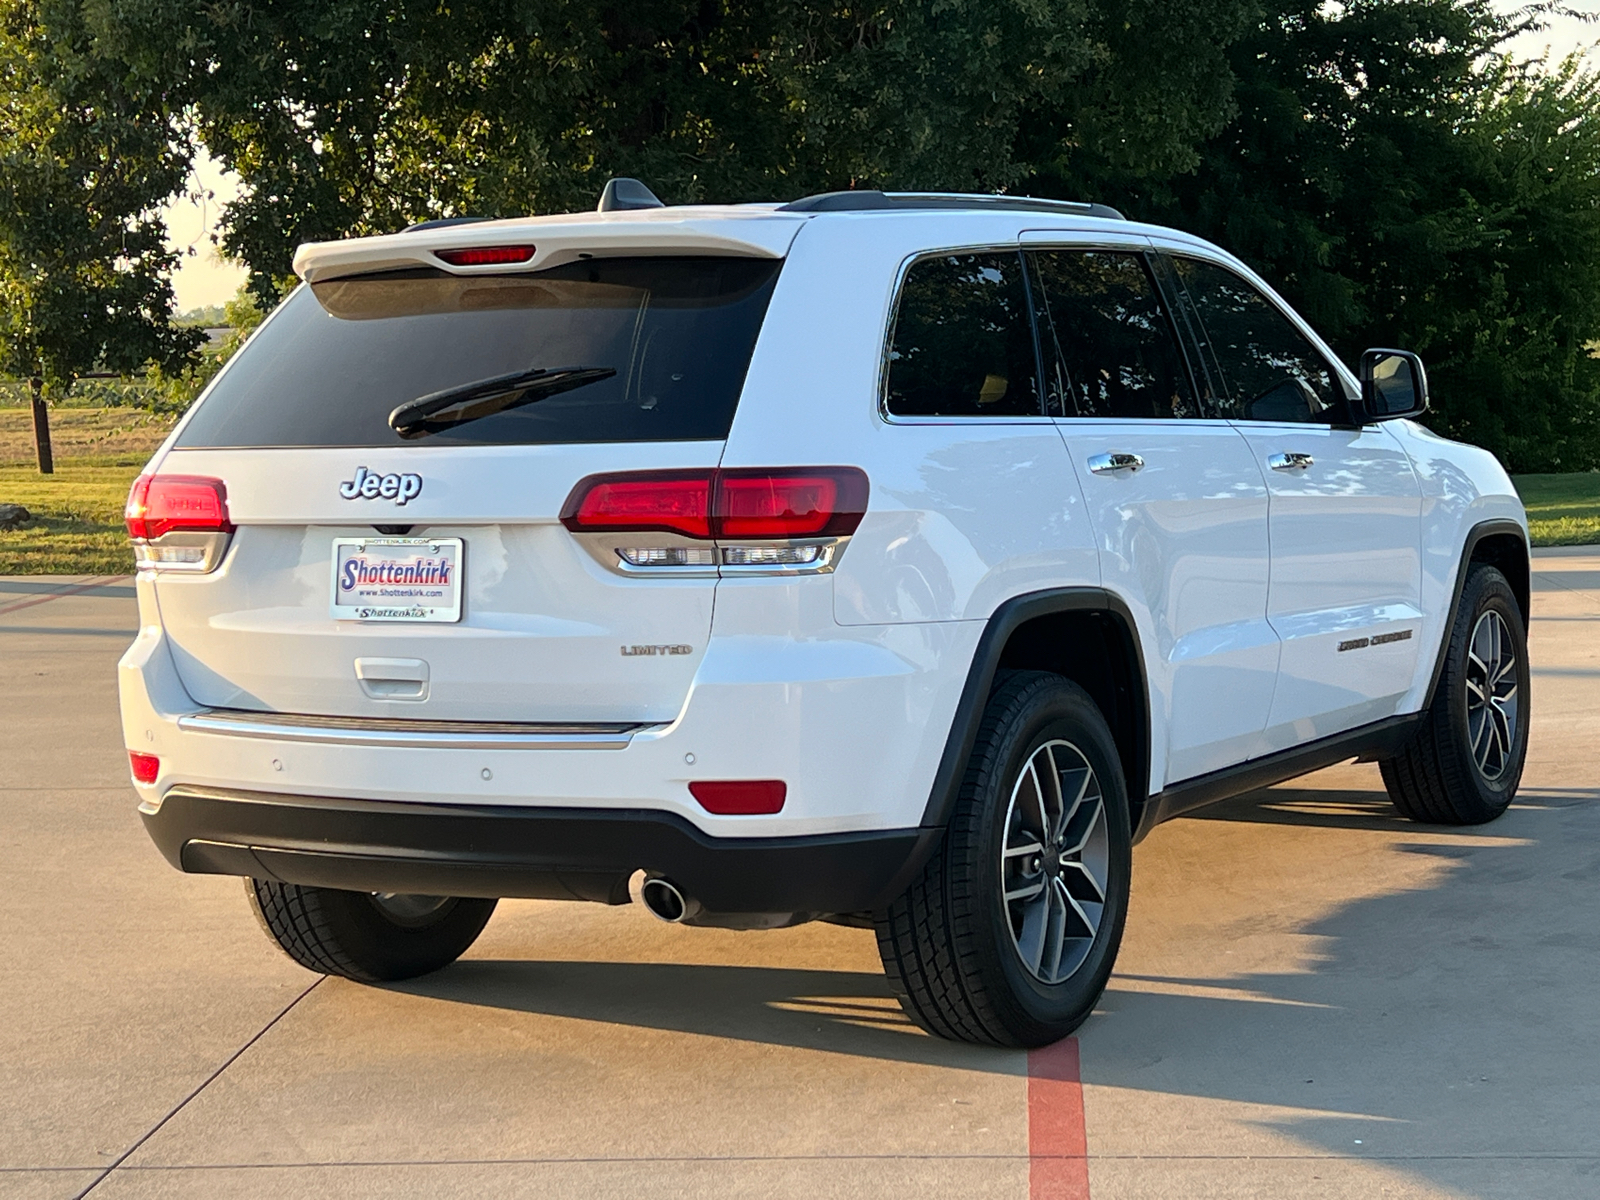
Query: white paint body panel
x=843, y=685
x=1183, y=542
x=1345, y=535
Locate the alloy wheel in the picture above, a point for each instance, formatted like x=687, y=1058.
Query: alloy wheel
x=409, y=909
x=1055, y=861
x=1492, y=700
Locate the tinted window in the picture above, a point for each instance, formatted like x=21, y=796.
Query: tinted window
x=1113, y=348
x=1270, y=371
x=340, y=356
x=963, y=343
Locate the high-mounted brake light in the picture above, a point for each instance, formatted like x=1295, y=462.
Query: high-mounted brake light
x=486, y=256
x=729, y=505
x=162, y=504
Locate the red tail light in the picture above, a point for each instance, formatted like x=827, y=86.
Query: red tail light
x=733, y=504
x=159, y=504
x=486, y=256
x=145, y=766
x=741, y=797
x=789, y=504
x=673, y=501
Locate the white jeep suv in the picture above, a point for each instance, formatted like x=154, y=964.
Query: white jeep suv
x=890, y=559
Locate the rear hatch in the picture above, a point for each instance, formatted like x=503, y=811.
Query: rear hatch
x=321, y=488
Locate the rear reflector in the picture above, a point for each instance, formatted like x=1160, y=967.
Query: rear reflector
x=485, y=256
x=145, y=766
x=160, y=504
x=741, y=505
x=741, y=797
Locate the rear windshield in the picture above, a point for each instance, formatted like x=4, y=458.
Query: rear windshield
x=338, y=357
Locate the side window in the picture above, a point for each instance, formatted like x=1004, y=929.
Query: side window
x=1109, y=345
x=963, y=344
x=1270, y=371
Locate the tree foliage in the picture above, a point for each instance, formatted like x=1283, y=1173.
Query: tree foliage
x=358, y=116
x=1382, y=161
x=85, y=163
x=1403, y=182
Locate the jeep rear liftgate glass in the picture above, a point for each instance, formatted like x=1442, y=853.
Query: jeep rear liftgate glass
x=656, y=349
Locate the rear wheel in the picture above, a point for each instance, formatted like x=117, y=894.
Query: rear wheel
x=367, y=936
x=1464, y=764
x=1010, y=933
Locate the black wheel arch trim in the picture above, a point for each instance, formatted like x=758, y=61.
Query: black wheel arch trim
x=1522, y=588
x=1003, y=622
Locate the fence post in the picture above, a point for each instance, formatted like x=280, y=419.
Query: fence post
x=41, y=429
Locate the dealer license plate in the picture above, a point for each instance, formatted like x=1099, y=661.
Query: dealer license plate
x=397, y=579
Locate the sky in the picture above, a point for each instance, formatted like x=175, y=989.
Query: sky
x=204, y=279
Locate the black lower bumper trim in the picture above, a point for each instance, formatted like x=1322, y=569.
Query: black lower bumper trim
x=546, y=853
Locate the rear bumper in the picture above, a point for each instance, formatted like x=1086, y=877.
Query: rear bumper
x=502, y=850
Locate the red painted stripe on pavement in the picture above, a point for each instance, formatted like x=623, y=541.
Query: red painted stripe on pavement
x=1058, y=1145
x=104, y=581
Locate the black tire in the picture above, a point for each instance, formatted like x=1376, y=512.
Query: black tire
x=1438, y=778
x=949, y=944
x=363, y=936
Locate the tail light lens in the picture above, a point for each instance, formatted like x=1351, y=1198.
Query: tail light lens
x=789, y=504
x=162, y=504
x=658, y=501
x=740, y=797
x=145, y=766
x=731, y=505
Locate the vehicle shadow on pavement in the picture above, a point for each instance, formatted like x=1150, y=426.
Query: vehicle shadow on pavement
x=1355, y=984
x=841, y=1012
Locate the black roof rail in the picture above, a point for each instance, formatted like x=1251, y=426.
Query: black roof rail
x=441, y=222
x=869, y=201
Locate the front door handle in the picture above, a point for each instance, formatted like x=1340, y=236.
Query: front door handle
x=1110, y=464
x=1292, y=461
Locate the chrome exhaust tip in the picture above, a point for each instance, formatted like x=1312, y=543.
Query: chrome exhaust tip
x=665, y=901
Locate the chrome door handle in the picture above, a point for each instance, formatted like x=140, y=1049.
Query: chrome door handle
x=1110, y=464
x=1290, y=461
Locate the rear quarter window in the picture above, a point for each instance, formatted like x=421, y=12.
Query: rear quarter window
x=338, y=357
x=963, y=341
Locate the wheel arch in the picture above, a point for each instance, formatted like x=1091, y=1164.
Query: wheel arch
x=1502, y=544
x=1087, y=635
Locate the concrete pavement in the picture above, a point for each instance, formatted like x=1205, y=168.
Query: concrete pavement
x=1314, y=998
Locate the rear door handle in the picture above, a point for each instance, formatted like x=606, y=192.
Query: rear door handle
x=1292, y=461
x=1110, y=464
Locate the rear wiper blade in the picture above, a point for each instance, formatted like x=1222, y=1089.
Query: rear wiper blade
x=470, y=401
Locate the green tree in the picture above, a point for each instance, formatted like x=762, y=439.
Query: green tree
x=85, y=161
x=358, y=116
x=1403, y=181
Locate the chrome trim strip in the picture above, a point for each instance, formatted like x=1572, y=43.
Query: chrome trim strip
x=404, y=732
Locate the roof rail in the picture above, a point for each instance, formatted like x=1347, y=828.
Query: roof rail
x=867, y=201
x=441, y=222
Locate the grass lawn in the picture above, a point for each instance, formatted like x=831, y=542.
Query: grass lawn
x=1563, y=510
x=78, y=511
x=77, y=527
